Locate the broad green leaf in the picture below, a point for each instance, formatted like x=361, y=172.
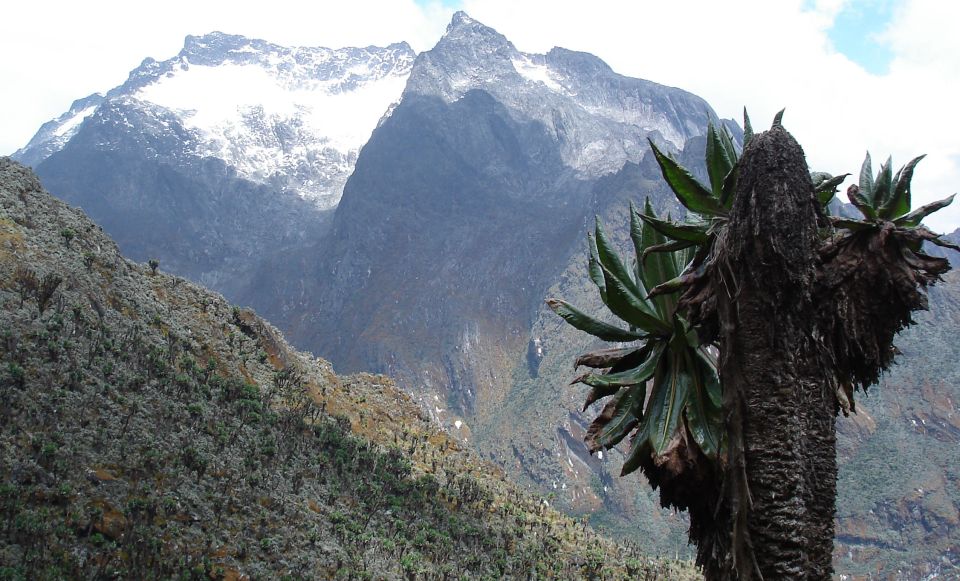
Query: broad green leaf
x=684, y=256
x=630, y=307
x=593, y=267
x=604, y=417
x=719, y=160
x=825, y=196
x=915, y=217
x=729, y=188
x=825, y=181
x=610, y=259
x=819, y=177
x=671, y=388
x=866, y=178
x=899, y=203
x=883, y=186
x=727, y=141
x=690, y=192
x=858, y=199
x=778, y=118
x=634, y=359
x=747, y=128
x=691, y=232
x=588, y=324
x=626, y=416
x=599, y=393
x=663, y=412
x=672, y=246
x=634, y=376
x=714, y=389
x=603, y=358
x=642, y=444
x=671, y=286
x=826, y=186
x=683, y=336
x=704, y=415
x=636, y=236
x=639, y=449
x=657, y=268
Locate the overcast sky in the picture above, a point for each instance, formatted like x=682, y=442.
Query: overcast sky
x=854, y=75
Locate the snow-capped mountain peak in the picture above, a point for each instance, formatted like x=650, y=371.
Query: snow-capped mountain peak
x=297, y=116
x=293, y=117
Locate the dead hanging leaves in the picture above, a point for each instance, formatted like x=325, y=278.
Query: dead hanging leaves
x=869, y=284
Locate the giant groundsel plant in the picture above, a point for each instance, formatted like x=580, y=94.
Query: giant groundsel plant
x=661, y=378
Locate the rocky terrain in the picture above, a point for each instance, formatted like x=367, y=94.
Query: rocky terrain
x=151, y=430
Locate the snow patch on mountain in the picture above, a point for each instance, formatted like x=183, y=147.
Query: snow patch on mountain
x=54, y=134
x=536, y=72
x=275, y=120
x=264, y=127
x=69, y=126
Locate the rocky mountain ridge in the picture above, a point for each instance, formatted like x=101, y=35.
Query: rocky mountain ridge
x=600, y=119
x=222, y=158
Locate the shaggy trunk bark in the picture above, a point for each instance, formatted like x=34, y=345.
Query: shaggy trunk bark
x=779, y=486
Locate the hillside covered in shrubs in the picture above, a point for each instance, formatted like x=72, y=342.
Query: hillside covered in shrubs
x=152, y=430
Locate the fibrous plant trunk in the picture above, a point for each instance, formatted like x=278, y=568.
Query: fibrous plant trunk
x=776, y=508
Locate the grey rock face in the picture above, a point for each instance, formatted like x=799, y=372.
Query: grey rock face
x=466, y=205
x=599, y=119
x=196, y=215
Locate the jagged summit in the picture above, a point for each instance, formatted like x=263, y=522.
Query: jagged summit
x=601, y=118
x=292, y=65
x=221, y=42
x=462, y=28
x=460, y=18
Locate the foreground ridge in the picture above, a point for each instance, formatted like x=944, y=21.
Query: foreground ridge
x=151, y=428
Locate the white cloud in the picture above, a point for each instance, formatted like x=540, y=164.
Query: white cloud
x=765, y=55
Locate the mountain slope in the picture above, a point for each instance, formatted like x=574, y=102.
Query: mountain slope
x=150, y=429
x=898, y=506
x=464, y=206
